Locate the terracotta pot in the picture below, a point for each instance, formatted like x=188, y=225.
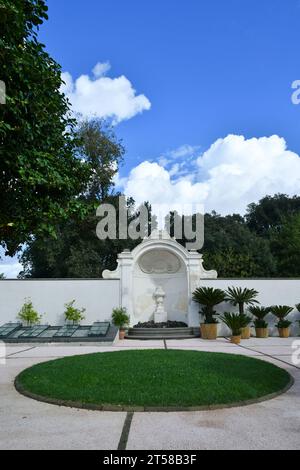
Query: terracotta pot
x=246, y=332
x=235, y=339
x=284, y=332
x=122, y=334
x=262, y=332
x=209, y=330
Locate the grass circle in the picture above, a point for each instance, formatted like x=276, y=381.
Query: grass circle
x=152, y=378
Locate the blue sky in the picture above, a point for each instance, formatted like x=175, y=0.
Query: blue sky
x=209, y=68
x=177, y=74
x=199, y=90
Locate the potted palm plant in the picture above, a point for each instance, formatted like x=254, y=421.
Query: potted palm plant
x=283, y=325
x=121, y=320
x=298, y=308
x=208, y=298
x=235, y=322
x=241, y=297
x=261, y=326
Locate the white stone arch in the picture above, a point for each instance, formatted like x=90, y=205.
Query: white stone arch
x=160, y=265
x=137, y=288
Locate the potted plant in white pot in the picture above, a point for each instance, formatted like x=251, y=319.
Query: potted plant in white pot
x=283, y=325
x=261, y=326
x=236, y=322
x=121, y=320
x=208, y=297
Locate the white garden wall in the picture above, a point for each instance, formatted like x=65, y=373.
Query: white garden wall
x=98, y=296
x=271, y=292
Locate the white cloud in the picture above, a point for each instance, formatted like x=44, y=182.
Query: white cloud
x=183, y=151
x=11, y=271
x=9, y=266
x=151, y=182
x=101, y=68
x=104, y=97
x=231, y=174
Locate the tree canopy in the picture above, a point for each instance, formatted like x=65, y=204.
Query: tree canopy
x=270, y=213
x=41, y=175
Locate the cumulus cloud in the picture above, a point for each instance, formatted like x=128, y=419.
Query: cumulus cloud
x=9, y=266
x=101, y=68
x=104, y=97
x=227, y=177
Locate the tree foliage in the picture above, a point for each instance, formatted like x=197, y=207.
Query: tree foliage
x=103, y=152
x=285, y=245
x=40, y=173
x=233, y=250
x=75, y=251
x=269, y=214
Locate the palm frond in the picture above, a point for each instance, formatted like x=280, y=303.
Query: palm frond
x=235, y=321
x=208, y=296
x=259, y=312
x=237, y=295
x=281, y=311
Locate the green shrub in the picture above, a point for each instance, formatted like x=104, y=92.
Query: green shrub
x=73, y=314
x=259, y=313
x=28, y=315
x=120, y=318
x=241, y=297
x=208, y=297
x=281, y=312
x=283, y=324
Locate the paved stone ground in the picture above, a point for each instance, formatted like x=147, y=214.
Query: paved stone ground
x=28, y=424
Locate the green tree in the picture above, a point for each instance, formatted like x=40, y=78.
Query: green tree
x=270, y=212
x=41, y=176
x=75, y=251
x=285, y=245
x=233, y=250
x=103, y=153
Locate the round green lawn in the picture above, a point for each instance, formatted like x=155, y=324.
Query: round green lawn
x=153, y=378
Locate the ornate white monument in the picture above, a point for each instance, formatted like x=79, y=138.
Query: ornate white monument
x=160, y=262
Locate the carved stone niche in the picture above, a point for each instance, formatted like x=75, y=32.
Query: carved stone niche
x=159, y=262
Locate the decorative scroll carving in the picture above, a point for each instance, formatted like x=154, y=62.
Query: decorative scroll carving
x=159, y=262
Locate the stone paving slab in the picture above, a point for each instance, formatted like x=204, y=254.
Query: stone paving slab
x=271, y=341
x=228, y=350
x=28, y=424
x=55, y=352
x=273, y=424
x=273, y=350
